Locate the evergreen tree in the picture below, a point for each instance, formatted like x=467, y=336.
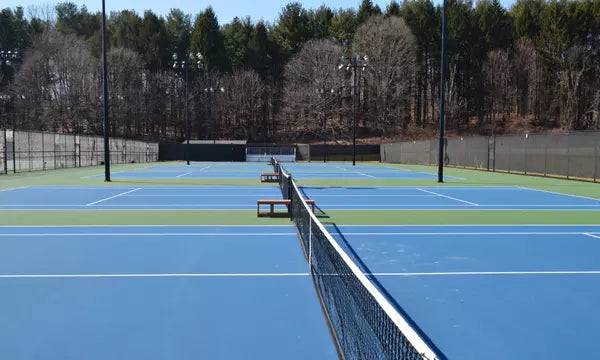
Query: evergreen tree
x=208, y=40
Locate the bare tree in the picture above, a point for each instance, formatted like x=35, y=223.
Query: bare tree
x=242, y=105
x=58, y=84
x=391, y=50
x=126, y=78
x=576, y=63
x=312, y=90
x=498, y=84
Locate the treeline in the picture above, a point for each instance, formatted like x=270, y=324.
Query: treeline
x=533, y=66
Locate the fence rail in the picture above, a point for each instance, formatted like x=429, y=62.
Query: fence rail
x=571, y=155
x=22, y=151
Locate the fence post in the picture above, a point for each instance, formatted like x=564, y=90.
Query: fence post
x=525, y=141
x=29, y=148
x=568, y=160
x=595, y=162
x=43, y=153
x=545, y=158
x=5, y=150
x=14, y=134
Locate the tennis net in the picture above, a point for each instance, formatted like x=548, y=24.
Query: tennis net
x=364, y=323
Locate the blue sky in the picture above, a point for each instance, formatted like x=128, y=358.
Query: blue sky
x=225, y=9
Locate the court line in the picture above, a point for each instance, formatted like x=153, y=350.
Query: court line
x=182, y=175
x=15, y=188
x=158, y=275
x=454, y=273
x=148, y=234
x=378, y=195
x=474, y=225
x=339, y=167
x=335, y=206
x=557, y=193
x=448, y=197
x=470, y=233
x=112, y=197
x=363, y=174
x=270, y=192
x=591, y=235
x=137, y=226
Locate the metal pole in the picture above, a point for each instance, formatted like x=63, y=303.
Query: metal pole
x=105, y=85
x=354, y=114
x=5, y=151
x=187, y=119
x=442, y=97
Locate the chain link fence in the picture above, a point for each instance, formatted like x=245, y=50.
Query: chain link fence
x=22, y=151
x=571, y=155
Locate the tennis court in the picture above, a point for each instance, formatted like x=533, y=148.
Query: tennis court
x=163, y=286
x=252, y=171
x=475, y=289
x=327, y=198
x=157, y=292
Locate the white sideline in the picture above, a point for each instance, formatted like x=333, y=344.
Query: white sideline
x=112, y=197
x=447, y=197
x=41, y=276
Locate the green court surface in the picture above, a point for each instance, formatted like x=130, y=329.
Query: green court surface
x=80, y=177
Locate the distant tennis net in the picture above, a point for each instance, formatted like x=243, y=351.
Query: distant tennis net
x=365, y=324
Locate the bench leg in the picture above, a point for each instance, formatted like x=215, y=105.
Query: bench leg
x=272, y=208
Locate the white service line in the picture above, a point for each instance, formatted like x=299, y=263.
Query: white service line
x=207, y=195
x=39, y=276
x=591, y=235
x=182, y=175
x=15, y=188
x=557, y=193
x=112, y=197
x=341, y=168
x=148, y=234
x=363, y=174
x=465, y=233
x=459, y=273
x=447, y=197
x=204, y=168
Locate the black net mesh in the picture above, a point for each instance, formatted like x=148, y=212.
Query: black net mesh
x=365, y=324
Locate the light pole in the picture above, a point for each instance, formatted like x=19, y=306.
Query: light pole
x=442, y=97
x=183, y=65
x=354, y=64
x=209, y=91
x=105, y=92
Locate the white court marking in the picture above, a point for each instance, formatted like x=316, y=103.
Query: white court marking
x=447, y=197
x=112, y=197
x=41, y=276
x=15, y=188
x=209, y=275
x=469, y=233
x=471, y=273
x=184, y=174
x=557, y=193
x=363, y=174
x=170, y=234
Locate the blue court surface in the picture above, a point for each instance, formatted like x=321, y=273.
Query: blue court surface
x=326, y=198
x=158, y=292
x=490, y=292
x=250, y=171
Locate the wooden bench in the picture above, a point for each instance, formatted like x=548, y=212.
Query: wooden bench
x=272, y=204
x=269, y=177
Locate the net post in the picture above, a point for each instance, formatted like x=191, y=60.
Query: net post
x=310, y=246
